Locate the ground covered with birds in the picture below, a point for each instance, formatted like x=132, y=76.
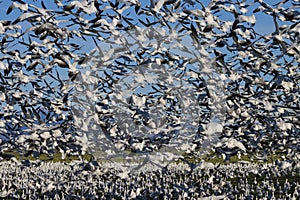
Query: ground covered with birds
x=96, y=180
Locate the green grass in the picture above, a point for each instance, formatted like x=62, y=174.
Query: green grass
x=214, y=158
x=57, y=157
x=210, y=157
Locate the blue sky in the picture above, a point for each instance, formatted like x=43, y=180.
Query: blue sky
x=264, y=22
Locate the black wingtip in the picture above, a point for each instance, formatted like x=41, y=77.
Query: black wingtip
x=9, y=10
x=43, y=5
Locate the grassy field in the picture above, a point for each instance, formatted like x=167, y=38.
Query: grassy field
x=209, y=156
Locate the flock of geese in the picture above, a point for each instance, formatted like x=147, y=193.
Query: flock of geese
x=143, y=77
x=102, y=181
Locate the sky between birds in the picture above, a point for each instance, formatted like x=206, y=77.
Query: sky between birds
x=264, y=23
